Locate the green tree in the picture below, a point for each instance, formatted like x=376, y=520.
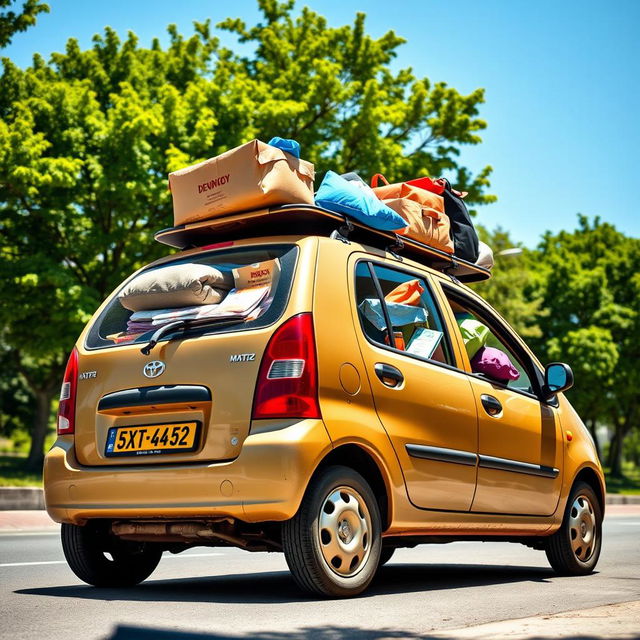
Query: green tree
x=508, y=290
x=12, y=22
x=589, y=281
x=333, y=91
x=88, y=137
x=16, y=403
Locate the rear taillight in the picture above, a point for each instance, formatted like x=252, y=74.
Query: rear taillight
x=67, y=405
x=287, y=384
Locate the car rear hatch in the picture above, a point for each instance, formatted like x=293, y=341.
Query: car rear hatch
x=190, y=399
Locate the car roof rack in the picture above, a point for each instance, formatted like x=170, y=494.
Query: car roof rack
x=305, y=219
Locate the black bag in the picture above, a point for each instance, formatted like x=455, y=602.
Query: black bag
x=465, y=238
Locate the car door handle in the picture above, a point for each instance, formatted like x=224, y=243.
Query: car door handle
x=491, y=405
x=389, y=376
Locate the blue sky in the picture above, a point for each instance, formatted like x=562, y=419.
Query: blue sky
x=561, y=79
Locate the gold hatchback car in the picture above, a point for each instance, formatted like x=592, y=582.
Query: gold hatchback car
x=367, y=401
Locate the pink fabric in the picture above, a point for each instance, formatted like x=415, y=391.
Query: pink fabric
x=494, y=363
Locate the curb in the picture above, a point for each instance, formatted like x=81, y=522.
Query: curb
x=621, y=498
x=32, y=499
x=21, y=499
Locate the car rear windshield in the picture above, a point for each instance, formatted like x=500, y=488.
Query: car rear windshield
x=213, y=292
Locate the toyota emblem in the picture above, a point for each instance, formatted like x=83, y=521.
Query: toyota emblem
x=153, y=369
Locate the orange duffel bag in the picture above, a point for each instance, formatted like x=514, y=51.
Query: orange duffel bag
x=425, y=224
x=419, y=194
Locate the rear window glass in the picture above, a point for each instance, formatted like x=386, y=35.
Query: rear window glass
x=212, y=292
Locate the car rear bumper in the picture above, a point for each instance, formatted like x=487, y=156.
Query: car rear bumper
x=265, y=482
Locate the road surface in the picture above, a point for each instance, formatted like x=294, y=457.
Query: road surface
x=228, y=592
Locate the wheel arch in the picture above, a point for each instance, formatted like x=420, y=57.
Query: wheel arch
x=589, y=476
x=361, y=460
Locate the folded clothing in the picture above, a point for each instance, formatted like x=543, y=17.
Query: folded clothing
x=344, y=196
x=237, y=305
x=178, y=285
x=399, y=314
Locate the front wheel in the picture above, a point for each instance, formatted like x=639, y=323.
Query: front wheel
x=385, y=555
x=103, y=560
x=574, y=549
x=332, y=545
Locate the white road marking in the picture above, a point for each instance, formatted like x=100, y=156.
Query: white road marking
x=169, y=557
x=19, y=532
x=193, y=555
x=31, y=564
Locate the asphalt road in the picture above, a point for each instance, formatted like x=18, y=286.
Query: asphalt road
x=230, y=592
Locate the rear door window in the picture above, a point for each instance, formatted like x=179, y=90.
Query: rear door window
x=252, y=293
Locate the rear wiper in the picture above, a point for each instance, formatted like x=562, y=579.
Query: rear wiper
x=165, y=328
x=184, y=324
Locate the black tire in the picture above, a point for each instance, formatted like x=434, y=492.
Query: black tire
x=574, y=549
x=129, y=564
x=332, y=545
x=385, y=555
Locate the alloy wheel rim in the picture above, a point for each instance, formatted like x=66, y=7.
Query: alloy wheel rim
x=583, y=531
x=344, y=531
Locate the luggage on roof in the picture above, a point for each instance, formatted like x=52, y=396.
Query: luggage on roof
x=265, y=189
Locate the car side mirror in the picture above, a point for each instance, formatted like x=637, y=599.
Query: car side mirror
x=557, y=377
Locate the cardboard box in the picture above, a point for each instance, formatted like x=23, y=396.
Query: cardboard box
x=252, y=176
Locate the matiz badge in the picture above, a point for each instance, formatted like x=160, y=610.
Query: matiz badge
x=242, y=357
x=153, y=369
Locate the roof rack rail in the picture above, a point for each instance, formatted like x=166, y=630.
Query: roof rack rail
x=304, y=219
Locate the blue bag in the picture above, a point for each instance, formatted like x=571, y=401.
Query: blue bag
x=340, y=195
x=399, y=314
x=286, y=144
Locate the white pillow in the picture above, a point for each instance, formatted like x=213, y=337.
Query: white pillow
x=180, y=285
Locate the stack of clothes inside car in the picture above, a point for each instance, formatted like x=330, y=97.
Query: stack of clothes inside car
x=195, y=293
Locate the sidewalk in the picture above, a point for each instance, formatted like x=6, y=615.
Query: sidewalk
x=26, y=521
x=612, y=621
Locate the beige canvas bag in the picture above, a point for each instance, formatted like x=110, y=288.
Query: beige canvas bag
x=425, y=224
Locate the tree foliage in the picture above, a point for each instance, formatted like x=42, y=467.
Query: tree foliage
x=509, y=288
x=87, y=139
x=590, y=285
x=12, y=22
x=334, y=91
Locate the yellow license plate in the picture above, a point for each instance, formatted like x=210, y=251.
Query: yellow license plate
x=152, y=439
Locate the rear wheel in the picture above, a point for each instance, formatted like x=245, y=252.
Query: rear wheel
x=332, y=545
x=574, y=549
x=102, y=560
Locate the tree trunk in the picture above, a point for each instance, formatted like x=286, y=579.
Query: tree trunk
x=591, y=425
x=40, y=428
x=615, y=452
